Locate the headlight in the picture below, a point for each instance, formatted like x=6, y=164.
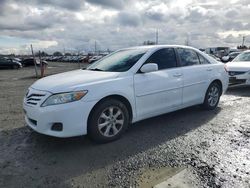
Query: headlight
x=62, y=98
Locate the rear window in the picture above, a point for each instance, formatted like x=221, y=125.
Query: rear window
x=203, y=60
x=188, y=57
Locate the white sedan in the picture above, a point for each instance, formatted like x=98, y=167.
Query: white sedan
x=239, y=69
x=124, y=87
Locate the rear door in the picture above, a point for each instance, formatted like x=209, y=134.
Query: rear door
x=158, y=92
x=196, y=76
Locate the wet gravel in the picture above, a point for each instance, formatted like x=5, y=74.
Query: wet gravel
x=212, y=145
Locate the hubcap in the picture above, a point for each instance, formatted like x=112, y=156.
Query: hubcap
x=111, y=121
x=213, y=96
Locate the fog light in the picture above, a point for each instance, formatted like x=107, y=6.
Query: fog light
x=57, y=127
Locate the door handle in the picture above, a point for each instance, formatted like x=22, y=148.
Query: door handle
x=209, y=69
x=177, y=75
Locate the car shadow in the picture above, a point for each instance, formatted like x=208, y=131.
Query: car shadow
x=74, y=157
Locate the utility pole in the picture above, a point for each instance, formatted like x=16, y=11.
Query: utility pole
x=34, y=59
x=63, y=49
x=243, y=40
x=95, y=47
x=156, y=36
x=187, y=41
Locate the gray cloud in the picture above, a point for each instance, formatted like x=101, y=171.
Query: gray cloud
x=156, y=16
x=76, y=25
x=65, y=4
x=128, y=19
x=117, y=4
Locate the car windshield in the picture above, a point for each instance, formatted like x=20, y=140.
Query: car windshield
x=243, y=57
x=119, y=61
x=4, y=60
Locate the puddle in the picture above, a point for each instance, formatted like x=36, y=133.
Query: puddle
x=153, y=176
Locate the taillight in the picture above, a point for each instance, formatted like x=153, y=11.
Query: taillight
x=225, y=67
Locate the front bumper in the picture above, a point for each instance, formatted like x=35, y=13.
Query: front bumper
x=242, y=79
x=73, y=116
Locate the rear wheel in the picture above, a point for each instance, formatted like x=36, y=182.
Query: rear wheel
x=108, y=121
x=212, y=97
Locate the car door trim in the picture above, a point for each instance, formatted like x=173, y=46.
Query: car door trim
x=197, y=83
x=158, y=91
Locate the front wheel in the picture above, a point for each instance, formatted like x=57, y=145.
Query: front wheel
x=108, y=121
x=212, y=97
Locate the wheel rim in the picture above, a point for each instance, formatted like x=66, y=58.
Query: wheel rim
x=111, y=121
x=213, y=96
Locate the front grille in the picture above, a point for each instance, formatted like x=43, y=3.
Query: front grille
x=34, y=98
x=234, y=81
x=234, y=73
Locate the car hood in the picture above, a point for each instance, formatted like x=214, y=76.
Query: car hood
x=238, y=66
x=73, y=80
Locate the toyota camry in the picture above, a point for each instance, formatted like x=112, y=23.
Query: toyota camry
x=124, y=87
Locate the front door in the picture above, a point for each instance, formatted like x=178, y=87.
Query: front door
x=160, y=91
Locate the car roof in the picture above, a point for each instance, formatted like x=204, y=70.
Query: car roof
x=152, y=47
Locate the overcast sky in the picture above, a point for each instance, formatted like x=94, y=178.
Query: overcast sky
x=75, y=25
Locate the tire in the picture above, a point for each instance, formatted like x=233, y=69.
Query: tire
x=212, y=97
x=108, y=121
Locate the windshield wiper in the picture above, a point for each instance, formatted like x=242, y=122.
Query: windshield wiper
x=96, y=69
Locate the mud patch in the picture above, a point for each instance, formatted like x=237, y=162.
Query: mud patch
x=152, y=176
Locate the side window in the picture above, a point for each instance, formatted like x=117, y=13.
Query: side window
x=203, y=60
x=188, y=57
x=164, y=58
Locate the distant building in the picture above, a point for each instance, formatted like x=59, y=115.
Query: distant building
x=148, y=42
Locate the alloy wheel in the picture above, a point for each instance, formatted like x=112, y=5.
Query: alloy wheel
x=213, y=96
x=111, y=121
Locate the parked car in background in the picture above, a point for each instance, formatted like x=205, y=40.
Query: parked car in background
x=229, y=57
x=94, y=58
x=9, y=63
x=215, y=57
x=239, y=69
x=124, y=87
x=28, y=62
x=218, y=51
x=16, y=59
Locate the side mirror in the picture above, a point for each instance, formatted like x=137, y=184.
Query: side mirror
x=149, y=67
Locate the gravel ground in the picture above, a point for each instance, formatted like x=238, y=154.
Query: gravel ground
x=212, y=146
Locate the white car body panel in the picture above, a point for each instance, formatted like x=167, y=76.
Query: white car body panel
x=239, y=71
x=195, y=78
x=150, y=97
x=70, y=81
x=149, y=94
